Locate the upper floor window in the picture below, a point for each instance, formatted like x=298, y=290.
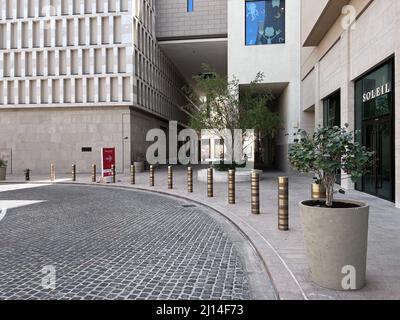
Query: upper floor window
x=265, y=22
x=190, y=5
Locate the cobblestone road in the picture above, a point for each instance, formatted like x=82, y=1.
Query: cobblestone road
x=106, y=243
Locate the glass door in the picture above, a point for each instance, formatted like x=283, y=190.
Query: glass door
x=378, y=138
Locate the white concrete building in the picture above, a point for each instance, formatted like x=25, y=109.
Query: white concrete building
x=218, y=33
x=78, y=75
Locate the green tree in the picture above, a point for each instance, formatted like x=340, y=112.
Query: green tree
x=229, y=105
x=327, y=151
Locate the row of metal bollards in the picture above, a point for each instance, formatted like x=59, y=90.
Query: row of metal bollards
x=283, y=191
x=283, y=188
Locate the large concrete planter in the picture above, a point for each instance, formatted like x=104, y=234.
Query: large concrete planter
x=3, y=173
x=336, y=240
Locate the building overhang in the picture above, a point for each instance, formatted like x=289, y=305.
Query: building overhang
x=188, y=55
x=329, y=15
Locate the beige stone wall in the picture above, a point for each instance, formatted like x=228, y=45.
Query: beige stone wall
x=343, y=55
x=38, y=137
x=209, y=18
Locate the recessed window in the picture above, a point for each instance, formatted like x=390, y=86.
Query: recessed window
x=265, y=22
x=190, y=5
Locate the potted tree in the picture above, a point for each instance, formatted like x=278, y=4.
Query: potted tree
x=3, y=169
x=336, y=232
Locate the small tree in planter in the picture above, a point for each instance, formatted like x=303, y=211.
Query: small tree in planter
x=336, y=233
x=327, y=151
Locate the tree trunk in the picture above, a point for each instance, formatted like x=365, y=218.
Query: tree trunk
x=330, y=183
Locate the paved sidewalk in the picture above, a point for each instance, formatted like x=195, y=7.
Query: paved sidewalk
x=284, y=252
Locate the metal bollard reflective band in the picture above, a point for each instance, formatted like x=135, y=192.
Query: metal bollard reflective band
x=255, y=192
x=283, y=203
x=94, y=171
x=133, y=174
x=52, y=172
x=231, y=187
x=210, y=183
x=27, y=174
x=151, y=176
x=190, y=180
x=73, y=172
x=113, y=173
x=170, y=178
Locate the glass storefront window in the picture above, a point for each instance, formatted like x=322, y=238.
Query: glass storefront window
x=376, y=92
x=265, y=22
x=332, y=110
x=374, y=129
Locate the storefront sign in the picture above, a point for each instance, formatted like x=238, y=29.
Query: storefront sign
x=107, y=160
x=380, y=91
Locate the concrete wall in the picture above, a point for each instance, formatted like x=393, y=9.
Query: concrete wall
x=280, y=64
x=209, y=18
x=45, y=136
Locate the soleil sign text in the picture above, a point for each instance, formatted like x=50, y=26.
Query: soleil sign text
x=380, y=91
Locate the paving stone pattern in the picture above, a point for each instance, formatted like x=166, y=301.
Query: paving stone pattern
x=115, y=244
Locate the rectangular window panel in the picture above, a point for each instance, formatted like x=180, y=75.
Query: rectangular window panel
x=265, y=22
x=190, y=5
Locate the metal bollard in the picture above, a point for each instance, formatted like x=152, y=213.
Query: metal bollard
x=231, y=187
x=283, y=203
x=210, y=182
x=73, y=172
x=190, y=179
x=133, y=173
x=255, y=192
x=94, y=172
x=52, y=172
x=151, y=176
x=113, y=174
x=170, y=178
x=27, y=174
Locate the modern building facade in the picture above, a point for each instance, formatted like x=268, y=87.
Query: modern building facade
x=239, y=39
x=79, y=75
x=351, y=75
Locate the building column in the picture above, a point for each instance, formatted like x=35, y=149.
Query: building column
x=347, y=99
x=397, y=125
x=319, y=110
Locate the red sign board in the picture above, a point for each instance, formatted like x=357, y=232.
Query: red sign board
x=107, y=160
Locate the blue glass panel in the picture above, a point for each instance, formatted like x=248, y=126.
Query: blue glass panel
x=190, y=5
x=265, y=22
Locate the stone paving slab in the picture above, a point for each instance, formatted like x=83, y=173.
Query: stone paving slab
x=108, y=243
x=284, y=252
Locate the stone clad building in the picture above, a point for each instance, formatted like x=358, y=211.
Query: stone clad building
x=351, y=74
x=78, y=75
